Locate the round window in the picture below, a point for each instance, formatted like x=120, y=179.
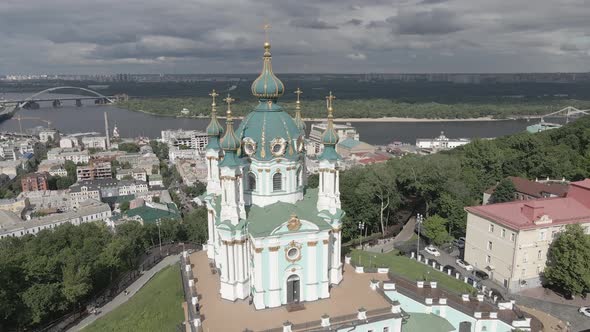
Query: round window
x=293, y=253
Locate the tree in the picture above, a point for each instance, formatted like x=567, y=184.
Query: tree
x=567, y=266
x=504, y=192
x=313, y=181
x=124, y=207
x=129, y=147
x=435, y=228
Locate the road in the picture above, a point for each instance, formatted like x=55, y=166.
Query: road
x=132, y=289
x=403, y=236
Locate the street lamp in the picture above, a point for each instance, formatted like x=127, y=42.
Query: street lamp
x=419, y=219
x=159, y=236
x=361, y=226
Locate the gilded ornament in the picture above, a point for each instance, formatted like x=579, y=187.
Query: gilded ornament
x=294, y=223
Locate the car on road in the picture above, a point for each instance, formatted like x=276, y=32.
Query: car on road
x=464, y=264
x=481, y=275
x=459, y=243
x=432, y=250
x=585, y=311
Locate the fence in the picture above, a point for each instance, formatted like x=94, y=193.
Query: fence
x=151, y=257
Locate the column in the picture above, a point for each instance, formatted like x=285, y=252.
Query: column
x=211, y=232
x=225, y=266
x=273, y=273
x=258, y=288
x=335, y=271
x=312, y=284
x=324, y=292
x=231, y=262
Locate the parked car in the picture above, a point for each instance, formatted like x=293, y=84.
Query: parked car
x=585, y=311
x=459, y=243
x=432, y=250
x=464, y=264
x=481, y=275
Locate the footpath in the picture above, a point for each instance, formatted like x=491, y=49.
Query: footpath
x=132, y=289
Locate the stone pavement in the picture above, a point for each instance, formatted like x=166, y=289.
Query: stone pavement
x=387, y=245
x=132, y=289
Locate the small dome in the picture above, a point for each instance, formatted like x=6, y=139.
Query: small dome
x=214, y=128
x=267, y=85
x=230, y=141
x=330, y=137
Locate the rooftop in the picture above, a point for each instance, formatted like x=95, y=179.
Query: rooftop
x=222, y=315
x=572, y=209
x=263, y=221
x=536, y=188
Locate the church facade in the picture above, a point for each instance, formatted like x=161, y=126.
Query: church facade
x=272, y=239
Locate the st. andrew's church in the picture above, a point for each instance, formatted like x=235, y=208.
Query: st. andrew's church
x=272, y=239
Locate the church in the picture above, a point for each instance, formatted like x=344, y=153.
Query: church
x=273, y=240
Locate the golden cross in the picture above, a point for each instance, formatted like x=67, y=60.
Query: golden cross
x=229, y=100
x=298, y=92
x=329, y=100
x=213, y=94
x=266, y=27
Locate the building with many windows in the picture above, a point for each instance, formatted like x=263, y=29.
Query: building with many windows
x=72, y=154
x=94, y=171
x=34, y=182
x=510, y=240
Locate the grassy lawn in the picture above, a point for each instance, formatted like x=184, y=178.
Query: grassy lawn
x=156, y=307
x=409, y=269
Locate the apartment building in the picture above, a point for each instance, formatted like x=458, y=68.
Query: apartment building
x=94, y=171
x=192, y=139
x=510, y=240
x=34, y=182
x=314, y=143
x=49, y=135
x=88, y=211
x=81, y=192
x=104, y=189
x=138, y=174
x=72, y=154
x=92, y=142
x=48, y=199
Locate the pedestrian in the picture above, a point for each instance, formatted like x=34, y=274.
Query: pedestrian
x=381, y=250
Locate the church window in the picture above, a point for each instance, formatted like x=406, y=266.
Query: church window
x=293, y=253
x=251, y=181
x=277, y=182
x=299, y=177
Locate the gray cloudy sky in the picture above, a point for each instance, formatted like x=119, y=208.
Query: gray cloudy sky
x=311, y=36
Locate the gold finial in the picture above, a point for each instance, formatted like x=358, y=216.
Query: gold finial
x=266, y=28
x=329, y=99
x=229, y=100
x=298, y=92
x=213, y=95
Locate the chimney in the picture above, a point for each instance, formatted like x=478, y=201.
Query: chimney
x=532, y=210
x=106, y=130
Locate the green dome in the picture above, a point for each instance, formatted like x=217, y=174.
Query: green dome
x=267, y=85
x=266, y=125
x=214, y=128
x=330, y=137
x=229, y=141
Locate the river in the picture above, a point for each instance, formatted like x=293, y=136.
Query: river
x=88, y=118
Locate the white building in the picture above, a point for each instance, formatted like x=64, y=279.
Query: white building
x=48, y=199
x=175, y=153
x=88, y=211
x=69, y=142
x=49, y=135
x=138, y=174
x=72, y=154
x=192, y=139
x=95, y=142
x=441, y=142
x=314, y=144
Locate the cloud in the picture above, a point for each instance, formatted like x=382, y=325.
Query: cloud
x=192, y=36
x=356, y=56
x=312, y=24
x=354, y=21
x=430, y=22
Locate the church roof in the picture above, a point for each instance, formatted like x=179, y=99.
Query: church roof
x=263, y=220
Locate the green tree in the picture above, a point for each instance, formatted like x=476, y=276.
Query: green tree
x=124, y=207
x=567, y=266
x=504, y=192
x=129, y=147
x=435, y=228
x=313, y=181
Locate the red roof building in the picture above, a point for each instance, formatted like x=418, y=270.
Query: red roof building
x=510, y=240
x=527, y=189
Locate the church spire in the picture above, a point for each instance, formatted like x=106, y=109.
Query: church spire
x=230, y=142
x=214, y=129
x=267, y=86
x=298, y=120
x=330, y=137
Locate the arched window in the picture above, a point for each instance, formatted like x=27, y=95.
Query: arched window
x=277, y=182
x=251, y=182
x=299, y=177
